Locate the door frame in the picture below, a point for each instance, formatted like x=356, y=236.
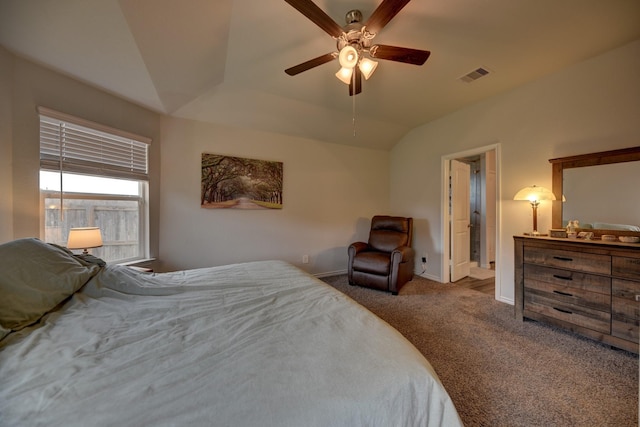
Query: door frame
x=444, y=214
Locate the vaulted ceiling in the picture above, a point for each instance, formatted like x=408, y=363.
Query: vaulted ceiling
x=223, y=61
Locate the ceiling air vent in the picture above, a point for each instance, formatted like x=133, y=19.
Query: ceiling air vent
x=474, y=75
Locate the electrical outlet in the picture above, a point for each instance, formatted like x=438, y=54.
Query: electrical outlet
x=305, y=259
x=424, y=262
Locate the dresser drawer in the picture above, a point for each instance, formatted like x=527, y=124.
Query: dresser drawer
x=582, y=316
x=625, y=267
x=625, y=310
x=587, y=262
x=627, y=289
x=569, y=279
x=625, y=328
x=569, y=287
x=624, y=298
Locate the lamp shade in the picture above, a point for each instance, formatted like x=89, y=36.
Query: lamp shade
x=534, y=194
x=367, y=67
x=344, y=74
x=84, y=238
x=348, y=57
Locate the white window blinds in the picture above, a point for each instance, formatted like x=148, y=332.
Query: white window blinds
x=70, y=144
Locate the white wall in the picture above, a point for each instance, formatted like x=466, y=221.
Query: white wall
x=330, y=191
x=33, y=85
x=6, y=170
x=330, y=194
x=592, y=106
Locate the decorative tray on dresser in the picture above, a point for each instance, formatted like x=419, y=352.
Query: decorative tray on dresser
x=590, y=287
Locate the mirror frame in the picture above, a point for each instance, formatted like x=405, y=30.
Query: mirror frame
x=558, y=166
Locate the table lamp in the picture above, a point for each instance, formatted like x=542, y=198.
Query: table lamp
x=84, y=238
x=534, y=195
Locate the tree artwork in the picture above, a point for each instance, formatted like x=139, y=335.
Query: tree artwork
x=237, y=183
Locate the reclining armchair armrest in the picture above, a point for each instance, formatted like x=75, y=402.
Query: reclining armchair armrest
x=354, y=249
x=402, y=262
x=357, y=247
x=402, y=254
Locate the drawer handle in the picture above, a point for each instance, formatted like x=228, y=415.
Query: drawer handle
x=562, y=258
x=563, y=311
x=562, y=277
x=563, y=293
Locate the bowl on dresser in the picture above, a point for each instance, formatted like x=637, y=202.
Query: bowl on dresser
x=629, y=239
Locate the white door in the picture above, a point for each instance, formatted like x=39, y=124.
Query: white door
x=460, y=219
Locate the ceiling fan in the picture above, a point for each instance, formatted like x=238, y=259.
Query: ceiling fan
x=354, y=42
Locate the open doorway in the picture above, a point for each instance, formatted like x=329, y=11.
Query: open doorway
x=471, y=217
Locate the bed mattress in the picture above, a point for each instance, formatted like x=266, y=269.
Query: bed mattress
x=254, y=344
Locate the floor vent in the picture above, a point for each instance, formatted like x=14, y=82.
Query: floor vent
x=474, y=75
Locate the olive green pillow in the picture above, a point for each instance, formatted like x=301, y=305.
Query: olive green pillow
x=34, y=278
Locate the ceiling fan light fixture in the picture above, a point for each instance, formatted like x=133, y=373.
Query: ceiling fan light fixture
x=367, y=67
x=344, y=75
x=348, y=57
x=354, y=40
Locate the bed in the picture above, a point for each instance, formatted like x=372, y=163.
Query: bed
x=252, y=344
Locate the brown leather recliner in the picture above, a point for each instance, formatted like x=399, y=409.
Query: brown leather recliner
x=387, y=261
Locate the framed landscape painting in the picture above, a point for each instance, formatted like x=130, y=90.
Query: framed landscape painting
x=236, y=183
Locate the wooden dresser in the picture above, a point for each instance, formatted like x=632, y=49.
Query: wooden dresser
x=589, y=287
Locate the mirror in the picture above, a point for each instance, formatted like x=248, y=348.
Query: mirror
x=592, y=191
x=599, y=189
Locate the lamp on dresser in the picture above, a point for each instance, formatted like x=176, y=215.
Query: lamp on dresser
x=84, y=238
x=534, y=195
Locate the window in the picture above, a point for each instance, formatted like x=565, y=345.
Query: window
x=98, y=175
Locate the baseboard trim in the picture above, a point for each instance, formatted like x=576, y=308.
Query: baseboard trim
x=339, y=272
x=429, y=276
x=506, y=300
x=330, y=273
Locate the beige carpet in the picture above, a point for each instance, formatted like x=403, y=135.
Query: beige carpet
x=502, y=372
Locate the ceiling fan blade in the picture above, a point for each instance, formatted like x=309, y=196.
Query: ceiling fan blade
x=399, y=54
x=383, y=14
x=312, y=63
x=358, y=82
x=317, y=16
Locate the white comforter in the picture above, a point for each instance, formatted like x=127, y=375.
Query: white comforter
x=256, y=344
